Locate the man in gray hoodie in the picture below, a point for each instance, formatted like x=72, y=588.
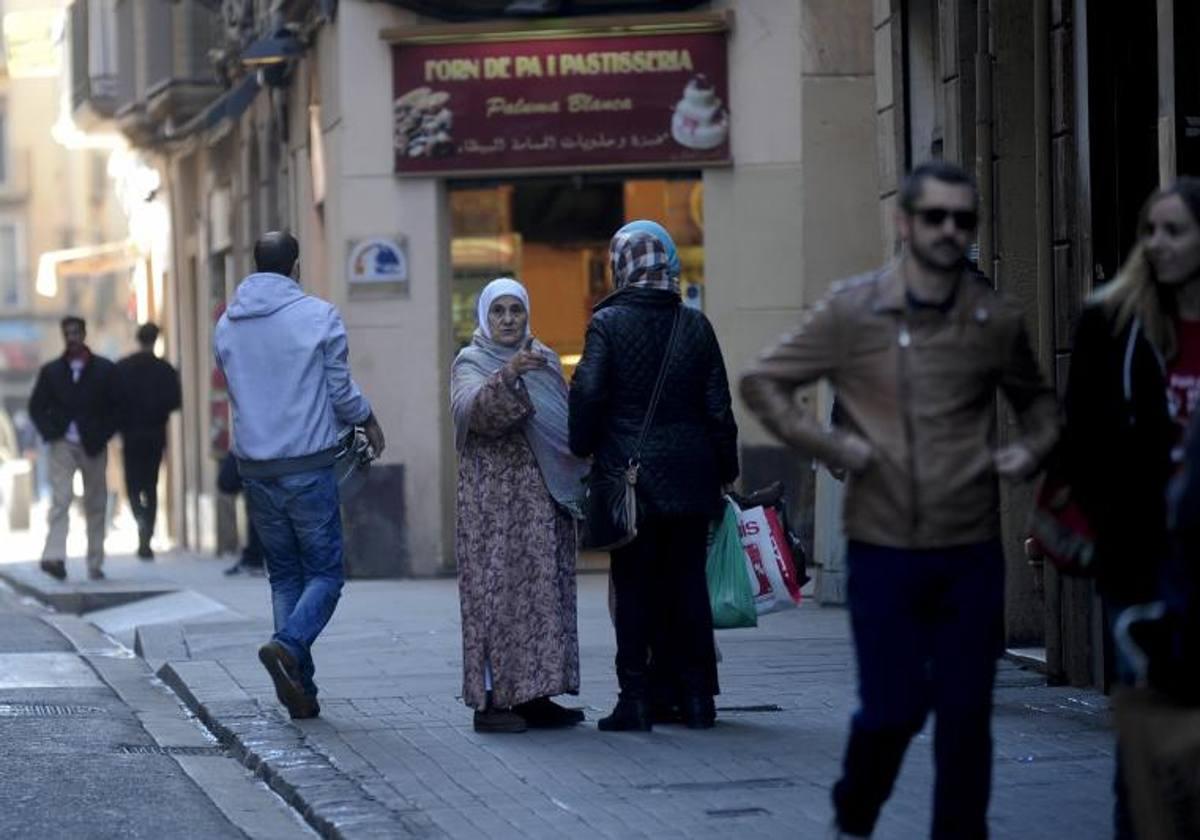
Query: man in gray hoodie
x=285, y=357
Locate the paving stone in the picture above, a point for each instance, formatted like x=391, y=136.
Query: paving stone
x=395, y=734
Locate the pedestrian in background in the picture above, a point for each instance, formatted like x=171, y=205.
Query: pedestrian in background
x=915, y=352
x=690, y=452
x=519, y=493
x=1133, y=384
x=72, y=408
x=250, y=560
x=147, y=391
x=285, y=357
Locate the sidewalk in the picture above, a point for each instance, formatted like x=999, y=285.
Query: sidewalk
x=393, y=753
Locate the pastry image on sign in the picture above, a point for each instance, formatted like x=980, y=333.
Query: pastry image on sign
x=423, y=123
x=699, y=121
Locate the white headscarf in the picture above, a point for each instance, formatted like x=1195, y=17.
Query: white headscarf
x=498, y=288
x=546, y=428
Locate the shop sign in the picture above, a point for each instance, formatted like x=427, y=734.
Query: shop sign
x=588, y=101
x=377, y=260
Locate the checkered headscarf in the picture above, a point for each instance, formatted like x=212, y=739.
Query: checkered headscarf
x=640, y=259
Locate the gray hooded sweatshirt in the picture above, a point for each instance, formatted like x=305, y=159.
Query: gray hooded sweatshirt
x=285, y=358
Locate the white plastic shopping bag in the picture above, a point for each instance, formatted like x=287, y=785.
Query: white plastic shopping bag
x=769, y=560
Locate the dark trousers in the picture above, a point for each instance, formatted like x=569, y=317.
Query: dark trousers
x=928, y=628
x=142, y=458
x=662, y=606
x=252, y=552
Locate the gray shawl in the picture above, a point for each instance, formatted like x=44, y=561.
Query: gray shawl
x=545, y=430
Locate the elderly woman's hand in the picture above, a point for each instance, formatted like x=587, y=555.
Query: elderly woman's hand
x=525, y=360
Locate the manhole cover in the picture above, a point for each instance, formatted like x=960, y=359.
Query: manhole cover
x=45, y=710
x=152, y=749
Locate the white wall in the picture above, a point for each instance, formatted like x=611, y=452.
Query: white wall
x=400, y=346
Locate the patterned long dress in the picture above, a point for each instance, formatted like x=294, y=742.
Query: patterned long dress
x=516, y=552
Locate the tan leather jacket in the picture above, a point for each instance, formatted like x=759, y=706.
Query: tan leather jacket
x=919, y=384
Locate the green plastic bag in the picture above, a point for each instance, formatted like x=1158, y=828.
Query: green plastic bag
x=729, y=590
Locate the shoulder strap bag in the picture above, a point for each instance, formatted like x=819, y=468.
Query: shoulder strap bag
x=611, y=507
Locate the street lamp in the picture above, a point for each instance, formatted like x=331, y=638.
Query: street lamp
x=272, y=55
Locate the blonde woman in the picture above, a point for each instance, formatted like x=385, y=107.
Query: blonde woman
x=1133, y=384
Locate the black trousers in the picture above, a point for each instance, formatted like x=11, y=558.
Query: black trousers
x=663, y=617
x=142, y=457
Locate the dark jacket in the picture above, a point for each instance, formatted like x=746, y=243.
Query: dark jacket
x=147, y=391
x=57, y=400
x=691, y=449
x=1116, y=452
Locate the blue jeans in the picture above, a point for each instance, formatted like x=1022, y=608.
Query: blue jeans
x=928, y=628
x=297, y=520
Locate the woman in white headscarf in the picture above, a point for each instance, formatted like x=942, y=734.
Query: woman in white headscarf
x=519, y=490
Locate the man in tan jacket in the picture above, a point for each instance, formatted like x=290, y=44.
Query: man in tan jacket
x=915, y=352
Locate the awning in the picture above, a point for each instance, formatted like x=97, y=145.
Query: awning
x=87, y=260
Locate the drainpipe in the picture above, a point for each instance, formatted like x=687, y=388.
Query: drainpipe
x=1046, y=340
x=984, y=137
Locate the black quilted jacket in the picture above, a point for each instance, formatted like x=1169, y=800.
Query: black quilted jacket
x=691, y=449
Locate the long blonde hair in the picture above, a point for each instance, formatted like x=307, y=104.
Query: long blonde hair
x=1135, y=292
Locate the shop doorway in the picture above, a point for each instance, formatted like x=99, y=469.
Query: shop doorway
x=552, y=234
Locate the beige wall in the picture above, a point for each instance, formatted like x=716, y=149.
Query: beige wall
x=400, y=346
x=798, y=209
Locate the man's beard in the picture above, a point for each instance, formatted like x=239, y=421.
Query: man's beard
x=930, y=260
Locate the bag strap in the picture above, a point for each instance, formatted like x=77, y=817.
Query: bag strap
x=658, y=388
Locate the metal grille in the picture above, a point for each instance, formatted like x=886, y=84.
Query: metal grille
x=738, y=812
x=154, y=749
x=769, y=707
x=11, y=710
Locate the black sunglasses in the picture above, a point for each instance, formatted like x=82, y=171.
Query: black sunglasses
x=936, y=217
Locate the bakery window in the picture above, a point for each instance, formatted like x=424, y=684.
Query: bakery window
x=552, y=234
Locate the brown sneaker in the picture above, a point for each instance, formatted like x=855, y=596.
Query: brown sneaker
x=284, y=672
x=57, y=569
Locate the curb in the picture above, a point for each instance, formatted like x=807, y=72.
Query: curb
x=76, y=597
x=276, y=751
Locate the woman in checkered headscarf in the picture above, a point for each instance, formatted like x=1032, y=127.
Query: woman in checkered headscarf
x=640, y=257
x=666, y=661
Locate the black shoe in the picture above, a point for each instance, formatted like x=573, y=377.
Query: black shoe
x=144, y=551
x=96, y=574
x=235, y=569
x=310, y=711
x=499, y=720
x=286, y=675
x=699, y=711
x=544, y=713
x=630, y=715
x=57, y=569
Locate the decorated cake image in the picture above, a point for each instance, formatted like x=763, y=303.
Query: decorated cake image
x=423, y=123
x=700, y=121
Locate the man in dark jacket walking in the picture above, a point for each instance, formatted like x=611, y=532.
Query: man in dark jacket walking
x=71, y=407
x=147, y=391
